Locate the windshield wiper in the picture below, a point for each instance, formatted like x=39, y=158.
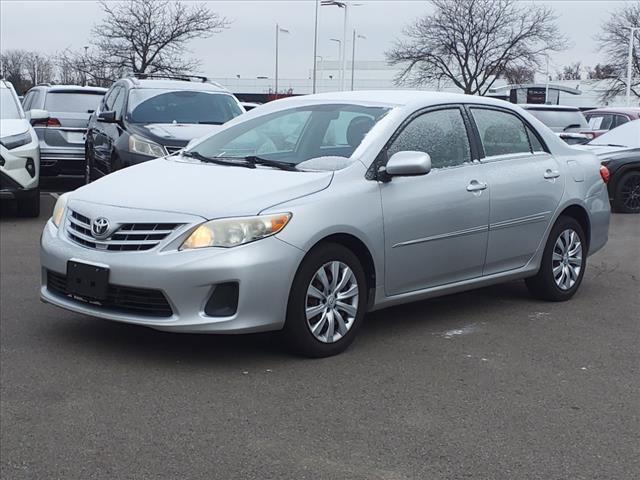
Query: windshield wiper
x=204, y=122
x=606, y=145
x=252, y=159
x=217, y=160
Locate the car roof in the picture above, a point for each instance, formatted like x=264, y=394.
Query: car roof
x=176, y=85
x=555, y=108
x=73, y=88
x=633, y=110
x=399, y=98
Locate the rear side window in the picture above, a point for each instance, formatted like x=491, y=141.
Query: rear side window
x=441, y=133
x=72, y=102
x=501, y=133
x=600, y=121
x=619, y=120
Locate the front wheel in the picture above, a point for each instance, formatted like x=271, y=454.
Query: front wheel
x=327, y=302
x=627, y=194
x=563, y=262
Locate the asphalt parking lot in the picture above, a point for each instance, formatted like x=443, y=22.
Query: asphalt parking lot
x=489, y=384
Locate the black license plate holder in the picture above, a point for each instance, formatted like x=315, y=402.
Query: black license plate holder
x=88, y=281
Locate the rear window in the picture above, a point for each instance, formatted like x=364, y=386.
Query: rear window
x=72, y=102
x=560, y=118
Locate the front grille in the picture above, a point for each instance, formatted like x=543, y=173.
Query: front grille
x=172, y=149
x=137, y=301
x=127, y=237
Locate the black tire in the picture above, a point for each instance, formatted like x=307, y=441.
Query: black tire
x=297, y=332
x=626, y=198
x=30, y=206
x=543, y=285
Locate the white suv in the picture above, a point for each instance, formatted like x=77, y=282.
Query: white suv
x=19, y=154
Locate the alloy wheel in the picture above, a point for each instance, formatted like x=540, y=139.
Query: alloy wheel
x=630, y=193
x=332, y=302
x=567, y=259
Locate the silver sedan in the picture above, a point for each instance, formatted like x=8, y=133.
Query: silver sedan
x=308, y=212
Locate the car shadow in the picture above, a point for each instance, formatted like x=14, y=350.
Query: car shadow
x=133, y=342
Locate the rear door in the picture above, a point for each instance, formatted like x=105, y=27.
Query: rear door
x=526, y=187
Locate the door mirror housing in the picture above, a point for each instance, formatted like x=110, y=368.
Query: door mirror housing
x=408, y=164
x=107, y=117
x=37, y=114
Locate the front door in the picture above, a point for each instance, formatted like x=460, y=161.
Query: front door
x=435, y=225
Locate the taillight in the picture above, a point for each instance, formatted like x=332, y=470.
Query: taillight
x=591, y=135
x=49, y=122
x=604, y=173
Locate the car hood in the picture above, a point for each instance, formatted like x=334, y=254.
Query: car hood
x=178, y=184
x=12, y=126
x=174, y=133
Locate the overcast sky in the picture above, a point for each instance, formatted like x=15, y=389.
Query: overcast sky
x=247, y=48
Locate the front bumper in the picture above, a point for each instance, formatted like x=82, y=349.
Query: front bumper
x=264, y=271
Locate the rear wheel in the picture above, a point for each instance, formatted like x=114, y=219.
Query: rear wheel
x=563, y=262
x=327, y=302
x=627, y=195
x=30, y=206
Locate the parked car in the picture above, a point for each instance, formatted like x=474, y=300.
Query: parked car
x=602, y=120
x=19, y=154
x=569, y=123
x=63, y=116
x=374, y=199
x=142, y=119
x=619, y=152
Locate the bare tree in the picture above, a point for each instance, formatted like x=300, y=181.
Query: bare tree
x=570, y=72
x=150, y=36
x=472, y=42
x=14, y=68
x=86, y=68
x=614, y=43
x=601, y=72
x=518, y=74
x=39, y=68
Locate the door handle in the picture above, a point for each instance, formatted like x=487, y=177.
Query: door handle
x=476, y=186
x=551, y=174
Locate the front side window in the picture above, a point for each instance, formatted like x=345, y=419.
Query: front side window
x=8, y=106
x=154, y=105
x=72, y=102
x=501, y=133
x=619, y=120
x=110, y=98
x=600, y=121
x=296, y=134
x=441, y=133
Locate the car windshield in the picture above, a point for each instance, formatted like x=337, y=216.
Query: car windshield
x=8, y=106
x=181, y=106
x=627, y=135
x=559, y=119
x=72, y=102
x=296, y=135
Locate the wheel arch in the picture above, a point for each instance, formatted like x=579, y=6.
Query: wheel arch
x=580, y=214
x=360, y=250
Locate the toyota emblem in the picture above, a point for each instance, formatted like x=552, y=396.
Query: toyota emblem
x=100, y=227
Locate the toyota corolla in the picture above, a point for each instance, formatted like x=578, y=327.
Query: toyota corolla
x=308, y=212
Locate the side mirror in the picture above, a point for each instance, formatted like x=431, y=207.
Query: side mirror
x=107, y=117
x=37, y=115
x=408, y=163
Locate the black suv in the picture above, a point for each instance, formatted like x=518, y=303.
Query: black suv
x=141, y=119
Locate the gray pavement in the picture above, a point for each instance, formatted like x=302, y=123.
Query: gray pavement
x=489, y=384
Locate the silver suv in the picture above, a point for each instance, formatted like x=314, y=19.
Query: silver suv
x=308, y=212
x=63, y=115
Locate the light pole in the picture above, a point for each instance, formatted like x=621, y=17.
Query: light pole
x=278, y=30
x=35, y=73
x=84, y=77
x=629, y=64
x=546, y=90
x=345, y=5
x=353, y=54
x=339, y=42
x=315, y=49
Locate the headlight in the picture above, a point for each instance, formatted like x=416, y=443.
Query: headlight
x=146, y=147
x=231, y=232
x=15, y=141
x=58, y=210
